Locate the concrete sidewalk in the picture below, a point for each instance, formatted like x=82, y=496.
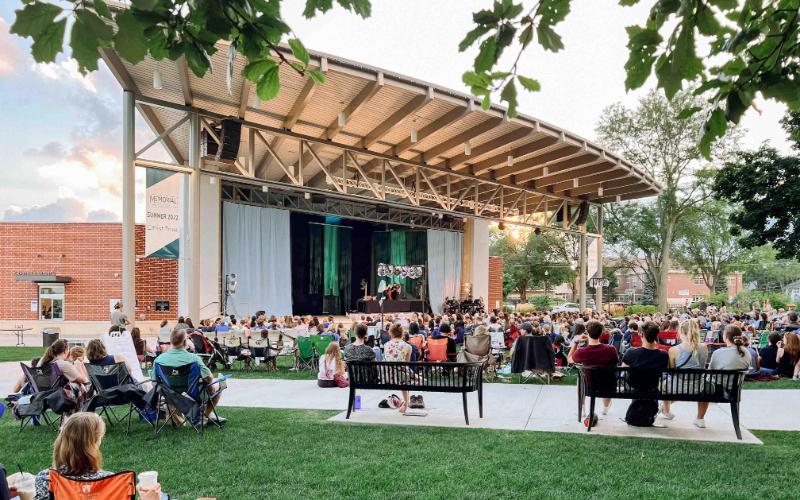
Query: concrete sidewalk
x=510, y=407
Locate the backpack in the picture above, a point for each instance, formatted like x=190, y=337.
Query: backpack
x=641, y=413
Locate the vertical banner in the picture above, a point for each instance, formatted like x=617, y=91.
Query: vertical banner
x=121, y=343
x=162, y=227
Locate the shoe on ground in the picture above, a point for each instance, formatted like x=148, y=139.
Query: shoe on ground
x=666, y=414
x=700, y=423
x=659, y=425
x=605, y=409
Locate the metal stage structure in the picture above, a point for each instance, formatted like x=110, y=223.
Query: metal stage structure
x=368, y=144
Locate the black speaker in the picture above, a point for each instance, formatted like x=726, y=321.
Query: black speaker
x=317, y=199
x=583, y=213
x=560, y=214
x=230, y=135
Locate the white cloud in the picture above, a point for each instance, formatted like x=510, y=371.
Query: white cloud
x=10, y=54
x=62, y=210
x=65, y=70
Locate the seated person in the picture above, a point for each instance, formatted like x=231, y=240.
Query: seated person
x=76, y=452
x=649, y=356
x=358, y=350
x=331, y=366
x=446, y=331
x=179, y=356
x=97, y=355
x=768, y=354
x=594, y=353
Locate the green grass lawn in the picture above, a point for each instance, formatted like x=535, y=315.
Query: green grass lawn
x=299, y=454
x=20, y=353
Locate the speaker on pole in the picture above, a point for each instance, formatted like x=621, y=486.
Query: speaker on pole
x=230, y=136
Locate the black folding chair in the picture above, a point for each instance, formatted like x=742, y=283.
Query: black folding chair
x=113, y=386
x=184, y=392
x=39, y=380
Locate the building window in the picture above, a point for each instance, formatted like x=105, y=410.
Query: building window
x=732, y=280
x=683, y=293
x=697, y=298
x=51, y=302
x=698, y=280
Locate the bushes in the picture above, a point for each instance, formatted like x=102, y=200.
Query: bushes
x=525, y=308
x=745, y=300
x=641, y=309
x=543, y=302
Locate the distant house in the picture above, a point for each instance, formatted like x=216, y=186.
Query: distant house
x=683, y=288
x=792, y=290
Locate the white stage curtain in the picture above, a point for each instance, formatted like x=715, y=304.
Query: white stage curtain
x=444, y=267
x=256, y=247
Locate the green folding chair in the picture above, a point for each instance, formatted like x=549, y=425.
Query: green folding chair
x=763, y=340
x=321, y=344
x=304, y=354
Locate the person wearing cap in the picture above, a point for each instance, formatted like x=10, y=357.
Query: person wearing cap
x=118, y=318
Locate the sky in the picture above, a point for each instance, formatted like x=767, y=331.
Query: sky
x=62, y=142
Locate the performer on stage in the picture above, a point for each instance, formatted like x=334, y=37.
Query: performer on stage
x=395, y=292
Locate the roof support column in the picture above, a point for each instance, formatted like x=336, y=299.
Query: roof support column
x=129, y=205
x=598, y=300
x=192, y=281
x=583, y=268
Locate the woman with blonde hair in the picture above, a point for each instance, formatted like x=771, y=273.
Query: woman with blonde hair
x=331, y=367
x=690, y=353
x=76, y=452
x=788, y=357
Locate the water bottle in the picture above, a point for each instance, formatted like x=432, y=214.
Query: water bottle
x=358, y=403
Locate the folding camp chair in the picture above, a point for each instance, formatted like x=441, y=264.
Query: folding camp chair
x=263, y=353
x=321, y=343
x=763, y=340
x=119, y=486
x=437, y=350
x=304, y=354
x=185, y=392
x=108, y=378
x=479, y=349
x=233, y=349
x=39, y=380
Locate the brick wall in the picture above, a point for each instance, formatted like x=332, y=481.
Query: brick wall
x=91, y=255
x=495, y=283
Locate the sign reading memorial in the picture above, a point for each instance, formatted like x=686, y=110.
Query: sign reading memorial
x=162, y=224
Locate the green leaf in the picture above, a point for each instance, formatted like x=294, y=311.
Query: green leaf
x=34, y=19
x=687, y=112
x=269, y=85
x=312, y=6
x=299, y=50
x=88, y=34
x=553, y=11
x=529, y=83
x=145, y=4
x=487, y=56
x=526, y=36
x=475, y=79
x=735, y=105
x=317, y=76
x=129, y=41
x=725, y=4
x=486, y=103
x=102, y=9
x=197, y=59
x=472, y=36
x=548, y=38
x=628, y=3
x=707, y=23
x=509, y=95
x=48, y=43
x=484, y=17
x=714, y=128
x=256, y=69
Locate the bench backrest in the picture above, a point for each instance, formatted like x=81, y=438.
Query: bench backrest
x=434, y=377
x=716, y=386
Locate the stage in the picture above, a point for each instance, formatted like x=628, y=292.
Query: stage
x=391, y=306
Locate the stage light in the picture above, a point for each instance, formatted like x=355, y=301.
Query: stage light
x=212, y=180
x=441, y=216
x=158, y=83
x=342, y=119
x=537, y=231
x=600, y=191
x=467, y=148
x=256, y=101
x=510, y=161
x=307, y=196
x=501, y=226
x=265, y=188
x=619, y=198
x=575, y=182
x=414, y=136
x=545, y=171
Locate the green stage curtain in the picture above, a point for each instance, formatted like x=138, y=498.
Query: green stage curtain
x=331, y=256
x=398, y=254
x=316, y=263
x=345, y=270
x=416, y=254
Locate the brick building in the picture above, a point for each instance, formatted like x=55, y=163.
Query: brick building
x=51, y=272
x=682, y=288
x=495, y=283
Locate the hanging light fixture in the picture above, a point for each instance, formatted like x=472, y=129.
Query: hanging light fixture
x=619, y=198
x=510, y=161
x=342, y=119
x=545, y=171
x=501, y=226
x=265, y=188
x=600, y=191
x=158, y=82
x=212, y=180
x=467, y=148
x=575, y=182
x=307, y=196
x=414, y=136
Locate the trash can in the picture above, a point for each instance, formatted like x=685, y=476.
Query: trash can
x=50, y=335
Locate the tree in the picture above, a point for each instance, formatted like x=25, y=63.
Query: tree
x=765, y=273
x=656, y=137
x=706, y=247
x=764, y=185
x=531, y=262
x=753, y=46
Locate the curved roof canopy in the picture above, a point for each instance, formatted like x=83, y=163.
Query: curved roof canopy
x=369, y=131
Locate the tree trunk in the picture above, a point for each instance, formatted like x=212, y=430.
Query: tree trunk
x=523, y=293
x=665, y=264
